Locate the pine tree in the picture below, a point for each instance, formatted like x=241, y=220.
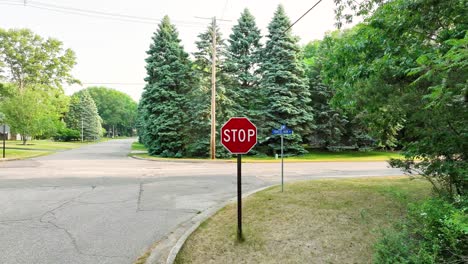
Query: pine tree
x=83, y=116
x=330, y=124
x=163, y=108
x=242, y=59
x=200, y=103
x=284, y=86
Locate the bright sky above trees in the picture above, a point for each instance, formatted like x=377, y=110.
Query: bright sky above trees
x=113, y=51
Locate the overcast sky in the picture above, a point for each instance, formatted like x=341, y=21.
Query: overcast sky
x=113, y=50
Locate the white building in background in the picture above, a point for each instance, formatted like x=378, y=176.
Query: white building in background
x=8, y=134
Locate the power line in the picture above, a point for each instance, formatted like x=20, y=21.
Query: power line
x=92, y=11
x=224, y=8
x=13, y=3
x=87, y=15
x=98, y=14
x=318, y=2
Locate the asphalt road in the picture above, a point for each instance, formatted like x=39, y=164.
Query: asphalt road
x=96, y=205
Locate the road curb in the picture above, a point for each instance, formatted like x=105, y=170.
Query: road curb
x=8, y=159
x=27, y=158
x=176, y=239
x=249, y=161
x=182, y=160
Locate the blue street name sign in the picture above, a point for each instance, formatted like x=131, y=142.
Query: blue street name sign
x=276, y=131
x=285, y=131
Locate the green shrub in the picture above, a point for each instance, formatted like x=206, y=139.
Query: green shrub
x=434, y=231
x=67, y=134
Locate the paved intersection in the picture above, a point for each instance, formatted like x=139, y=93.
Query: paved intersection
x=96, y=205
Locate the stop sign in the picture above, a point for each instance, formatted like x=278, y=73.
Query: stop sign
x=239, y=135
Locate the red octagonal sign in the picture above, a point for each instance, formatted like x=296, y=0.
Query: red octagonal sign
x=239, y=135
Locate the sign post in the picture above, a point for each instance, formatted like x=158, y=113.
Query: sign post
x=239, y=136
x=239, y=197
x=4, y=138
x=282, y=164
x=282, y=131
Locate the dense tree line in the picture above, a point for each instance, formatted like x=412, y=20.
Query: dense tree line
x=32, y=71
x=397, y=80
x=270, y=84
x=403, y=72
x=117, y=110
x=32, y=101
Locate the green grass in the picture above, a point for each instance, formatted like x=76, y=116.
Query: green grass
x=16, y=149
x=320, y=221
x=334, y=156
x=314, y=155
x=23, y=154
x=138, y=146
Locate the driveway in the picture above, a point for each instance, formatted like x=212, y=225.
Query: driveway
x=96, y=205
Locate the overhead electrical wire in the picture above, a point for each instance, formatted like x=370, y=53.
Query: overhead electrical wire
x=99, y=14
x=318, y=2
x=103, y=15
x=224, y=8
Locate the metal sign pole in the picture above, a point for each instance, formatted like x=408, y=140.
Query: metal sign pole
x=4, y=138
x=282, y=163
x=239, y=198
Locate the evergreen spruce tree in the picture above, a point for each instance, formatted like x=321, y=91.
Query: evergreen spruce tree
x=330, y=125
x=200, y=96
x=242, y=60
x=284, y=87
x=140, y=123
x=83, y=116
x=163, y=108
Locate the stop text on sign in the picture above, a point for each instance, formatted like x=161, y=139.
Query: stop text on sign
x=239, y=135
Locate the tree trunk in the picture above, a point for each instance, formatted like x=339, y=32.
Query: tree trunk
x=24, y=139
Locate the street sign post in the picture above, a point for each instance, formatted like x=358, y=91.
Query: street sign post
x=239, y=136
x=282, y=131
x=4, y=138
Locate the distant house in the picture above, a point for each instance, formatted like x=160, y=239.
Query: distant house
x=7, y=133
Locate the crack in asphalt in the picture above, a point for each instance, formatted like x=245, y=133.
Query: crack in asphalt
x=183, y=210
x=72, y=239
x=140, y=192
x=14, y=221
x=110, y=202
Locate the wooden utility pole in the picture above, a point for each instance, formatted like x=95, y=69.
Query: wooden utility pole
x=213, y=91
x=213, y=86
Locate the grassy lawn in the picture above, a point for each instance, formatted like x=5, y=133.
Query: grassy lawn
x=311, y=156
x=138, y=146
x=16, y=149
x=22, y=154
x=334, y=156
x=320, y=221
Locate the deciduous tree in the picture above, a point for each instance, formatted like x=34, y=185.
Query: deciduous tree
x=117, y=110
x=28, y=59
